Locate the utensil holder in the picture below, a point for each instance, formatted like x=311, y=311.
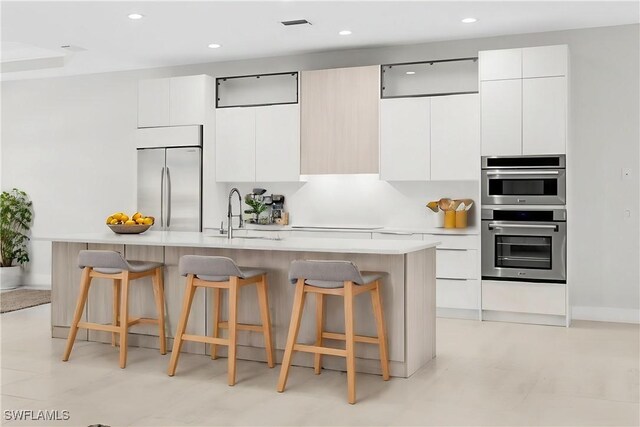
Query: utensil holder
x=461, y=219
x=449, y=219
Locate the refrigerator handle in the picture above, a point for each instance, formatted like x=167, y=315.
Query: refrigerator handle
x=162, y=198
x=168, y=197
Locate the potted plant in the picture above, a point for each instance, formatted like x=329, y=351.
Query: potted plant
x=257, y=207
x=16, y=214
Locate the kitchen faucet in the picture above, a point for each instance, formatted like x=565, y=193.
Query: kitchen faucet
x=230, y=213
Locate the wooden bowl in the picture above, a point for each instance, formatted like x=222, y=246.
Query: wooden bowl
x=129, y=229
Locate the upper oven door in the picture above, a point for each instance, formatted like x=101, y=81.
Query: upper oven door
x=524, y=250
x=523, y=187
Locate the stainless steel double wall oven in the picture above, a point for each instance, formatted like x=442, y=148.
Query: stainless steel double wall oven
x=524, y=229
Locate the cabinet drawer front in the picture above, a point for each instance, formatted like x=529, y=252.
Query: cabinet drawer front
x=455, y=242
x=456, y=264
x=396, y=236
x=330, y=234
x=538, y=298
x=457, y=293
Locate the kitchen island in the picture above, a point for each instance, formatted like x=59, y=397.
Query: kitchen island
x=408, y=291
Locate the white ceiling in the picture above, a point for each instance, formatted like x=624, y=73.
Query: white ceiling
x=178, y=32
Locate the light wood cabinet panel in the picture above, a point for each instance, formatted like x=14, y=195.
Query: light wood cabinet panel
x=65, y=284
x=455, y=137
x=277, y=143
x=187, y=100
x=339, y=120
x=501, y=117
x=235, y=145
x=545, y=61
x=405, y=135
x=153, y=103
x=544, y=115
x=500, y=64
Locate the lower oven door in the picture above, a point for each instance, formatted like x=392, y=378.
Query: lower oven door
x=524, y=250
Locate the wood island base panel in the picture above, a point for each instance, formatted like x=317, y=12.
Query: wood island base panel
x=408, y=295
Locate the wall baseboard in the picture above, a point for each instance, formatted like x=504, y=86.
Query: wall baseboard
x=606, y=314
x=42, y=281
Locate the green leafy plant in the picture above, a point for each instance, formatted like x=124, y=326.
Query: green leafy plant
x=16, y=214
x=256, y=206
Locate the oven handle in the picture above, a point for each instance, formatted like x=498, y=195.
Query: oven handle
x=538, y=226
x=536, y=173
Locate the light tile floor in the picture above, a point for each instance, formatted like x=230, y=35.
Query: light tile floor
x=485, y=374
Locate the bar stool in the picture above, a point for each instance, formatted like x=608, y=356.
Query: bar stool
x=334, y=278
x=220, y=273
x=112, y=265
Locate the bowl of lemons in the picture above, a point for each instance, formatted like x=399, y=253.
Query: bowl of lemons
x=120, y=223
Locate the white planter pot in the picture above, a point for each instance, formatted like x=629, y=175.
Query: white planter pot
x=10, y=277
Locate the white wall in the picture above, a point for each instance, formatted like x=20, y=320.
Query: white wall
x=67, y=141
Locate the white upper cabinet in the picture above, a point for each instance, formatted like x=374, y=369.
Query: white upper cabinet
x=501, y=105
x=153, y=103
x=544, y=115
x=544, y=61
x=235, y=145
x=500, y=64
x=174, y=101
x=525, y=113
x=455, y=137
x=258, y=144
x=405, y=133
x=278, y=143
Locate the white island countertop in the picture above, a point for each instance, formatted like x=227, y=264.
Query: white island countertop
x=205, y=240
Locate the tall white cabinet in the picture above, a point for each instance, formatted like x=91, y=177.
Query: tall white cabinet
x=524, y=95
x=430, y=138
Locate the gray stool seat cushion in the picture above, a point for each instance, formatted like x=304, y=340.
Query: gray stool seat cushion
x=330, y=274
x=112, y=262
x=215, y=268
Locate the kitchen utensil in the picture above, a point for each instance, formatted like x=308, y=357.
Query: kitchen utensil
x=467, y=204
x=460, y=206
x=129, y=229
x=433, y=206
x=445, y=204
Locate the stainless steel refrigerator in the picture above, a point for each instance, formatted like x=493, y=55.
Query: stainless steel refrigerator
x=170, y=186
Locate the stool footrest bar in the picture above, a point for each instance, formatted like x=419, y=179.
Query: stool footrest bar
x=242, y=327
x=206, y=340
x=322, y=350
x=99, y=327
x=357, y=338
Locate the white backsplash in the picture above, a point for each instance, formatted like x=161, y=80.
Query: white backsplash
x=365, y=200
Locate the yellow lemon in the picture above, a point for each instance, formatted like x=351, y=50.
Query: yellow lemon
x=109, y=219
x=140, y=220
x=136, y=216
x=148, y=221
x=130, y=222
x=114, y=222
x=124, y=218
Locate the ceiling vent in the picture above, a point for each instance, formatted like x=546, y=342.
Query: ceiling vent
x=296, y=22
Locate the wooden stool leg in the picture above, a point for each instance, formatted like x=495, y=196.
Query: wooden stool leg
x=116, y=308
x=158, y=293
x=216, y=304
x=182, y=324
x=233, y=329
x=350, y=341
x=263, y=299
x=124, y=319
x=317, y=363
x=376, y=301
x=294, y=327
x=85, y=282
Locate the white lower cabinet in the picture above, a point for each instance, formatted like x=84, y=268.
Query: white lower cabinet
x=521, y=297
x=456, y=263
x=457, y=293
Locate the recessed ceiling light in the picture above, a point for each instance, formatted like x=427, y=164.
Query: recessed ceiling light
x=344, y=32
x=411, y=72
x=135, y=16
x=214, y=45
x=469, y=20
